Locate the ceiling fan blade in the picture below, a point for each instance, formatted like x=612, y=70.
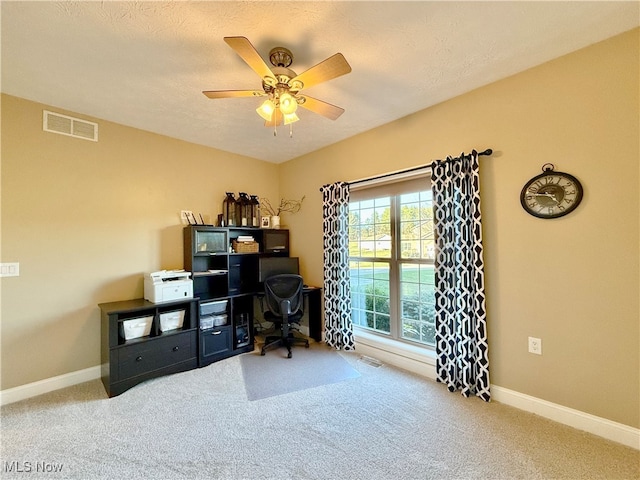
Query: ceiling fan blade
x=322, y=108
x=328, y=69
x=233, y=93
x=250, y=55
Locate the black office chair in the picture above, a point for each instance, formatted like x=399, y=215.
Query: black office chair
x=285, y=304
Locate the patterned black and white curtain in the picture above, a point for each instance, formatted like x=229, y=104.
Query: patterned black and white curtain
x=462, y=361
x=338, y=327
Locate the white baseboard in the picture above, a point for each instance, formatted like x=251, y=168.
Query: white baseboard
x=424, y=364
x=602, y=427
x=47, y=385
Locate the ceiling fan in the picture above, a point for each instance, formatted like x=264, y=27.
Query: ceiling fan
x=282, y=85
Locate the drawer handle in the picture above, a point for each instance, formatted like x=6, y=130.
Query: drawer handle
x=139, y=359
x=175, y=349
x=216, y=333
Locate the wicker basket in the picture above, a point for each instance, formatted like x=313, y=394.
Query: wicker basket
x=245, y=247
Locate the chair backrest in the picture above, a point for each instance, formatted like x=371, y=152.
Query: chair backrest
x=279, y=288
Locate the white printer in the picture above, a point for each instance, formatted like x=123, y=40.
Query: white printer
x=167, y=285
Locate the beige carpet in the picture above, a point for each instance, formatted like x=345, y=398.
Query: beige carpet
x=385, y=424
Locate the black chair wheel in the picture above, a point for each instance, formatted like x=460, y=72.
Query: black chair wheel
x=306, y=345
x=262, y=353
x=289, y=355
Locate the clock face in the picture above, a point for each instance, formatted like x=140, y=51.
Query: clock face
x=551, y=194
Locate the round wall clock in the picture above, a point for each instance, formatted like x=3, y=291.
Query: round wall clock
x=551, y=194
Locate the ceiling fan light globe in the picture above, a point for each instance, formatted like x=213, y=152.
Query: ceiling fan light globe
x=266, y=110
x=290, y=118
x=288, y=104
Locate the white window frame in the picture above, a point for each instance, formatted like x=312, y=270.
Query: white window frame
x=393, y=348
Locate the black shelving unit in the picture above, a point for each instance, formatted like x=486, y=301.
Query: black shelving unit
x=222, y=274
x=141, y=340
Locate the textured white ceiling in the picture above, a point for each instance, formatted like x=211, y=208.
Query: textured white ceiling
x=145, y=64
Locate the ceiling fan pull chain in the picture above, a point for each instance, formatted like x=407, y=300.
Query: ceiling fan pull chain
x=291, y=130
x=275, y=129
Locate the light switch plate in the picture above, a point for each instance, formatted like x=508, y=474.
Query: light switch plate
x=10, y=269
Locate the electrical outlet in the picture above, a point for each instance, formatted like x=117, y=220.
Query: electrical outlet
x=535, y=345
x=186, y=215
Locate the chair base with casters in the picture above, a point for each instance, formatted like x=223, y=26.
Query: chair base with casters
x=283, y=295
x=290, y=340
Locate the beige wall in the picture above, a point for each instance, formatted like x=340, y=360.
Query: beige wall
x=572, y=281
x=86, y=220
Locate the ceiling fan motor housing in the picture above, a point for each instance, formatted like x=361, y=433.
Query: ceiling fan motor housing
x=283, y=84
x=280, y=57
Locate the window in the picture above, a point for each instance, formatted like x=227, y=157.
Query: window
x=391, y=253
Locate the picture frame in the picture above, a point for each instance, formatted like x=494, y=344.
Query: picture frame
x=265, y=222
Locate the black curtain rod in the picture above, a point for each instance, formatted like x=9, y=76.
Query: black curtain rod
x=487, y=152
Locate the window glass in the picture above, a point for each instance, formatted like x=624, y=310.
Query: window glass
x=370, y=295
x=391, y=249
x=417, y=302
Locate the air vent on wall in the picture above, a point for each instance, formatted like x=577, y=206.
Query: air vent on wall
x=65, y=125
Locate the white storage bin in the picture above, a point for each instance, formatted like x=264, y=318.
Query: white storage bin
x=219, y=320
x=136, y=327
x=214, y=308
x=206, y=323
x=171, y=320
x=211, y=321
